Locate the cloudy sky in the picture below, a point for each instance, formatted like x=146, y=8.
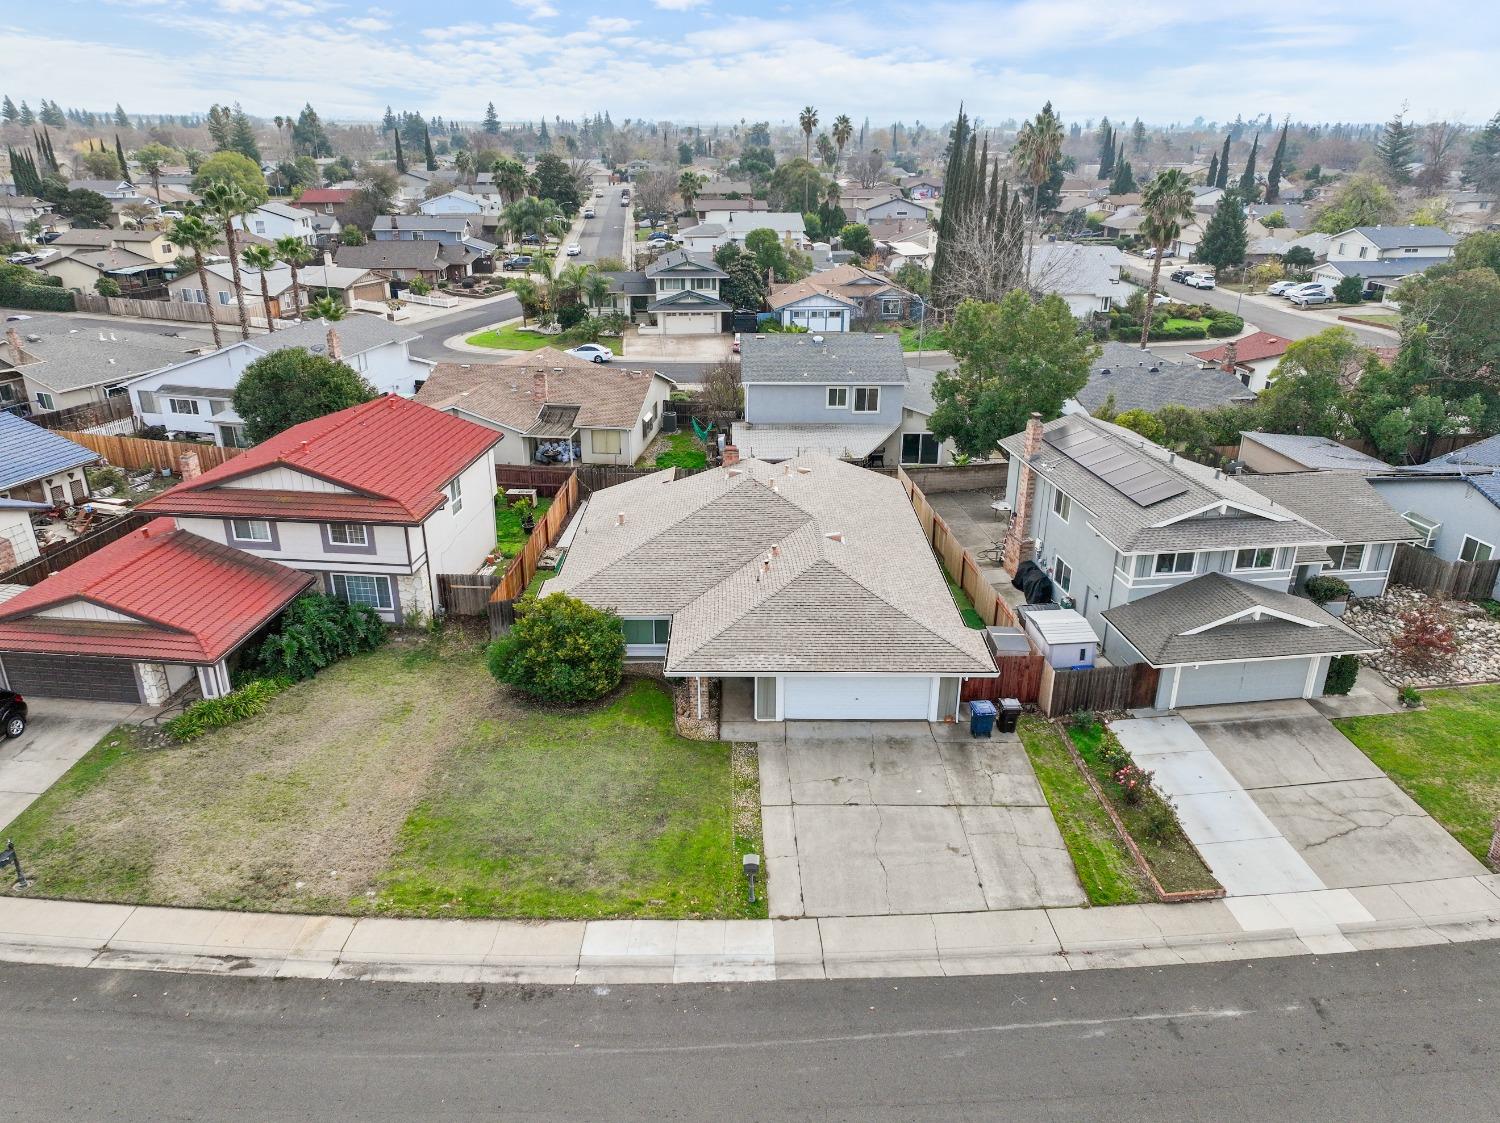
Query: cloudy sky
x=700, y=61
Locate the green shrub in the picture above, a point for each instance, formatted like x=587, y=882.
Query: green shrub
x=35, y=297
x=561, y=650
x=1222, y=324
x=1492, y=607
x=1324, y=588
x=215, y=713
x=571, y=315
x=1187, y=329
x=1349, y=290
x=1408, y=696
x=316, y=631
x=1342, y=671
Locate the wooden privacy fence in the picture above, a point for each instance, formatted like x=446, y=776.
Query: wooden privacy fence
x=523, y=567
x=113, y=408
x=466, y=594
x=548, y=479
x=1020, y=678
x=958, y=561
x=1420, y=569
x=1099, y=688
x=137, y=453
x=185, y=310
x=65, y=554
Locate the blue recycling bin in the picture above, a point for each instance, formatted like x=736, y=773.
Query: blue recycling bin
x=981, y=718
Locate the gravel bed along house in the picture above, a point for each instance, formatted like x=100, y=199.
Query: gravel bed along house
x=1477, y=659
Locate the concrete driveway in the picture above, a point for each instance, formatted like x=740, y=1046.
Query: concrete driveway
x=879, y=818
x=60, y=731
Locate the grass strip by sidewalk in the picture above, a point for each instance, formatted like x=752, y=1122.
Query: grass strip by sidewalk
x=1152, y=822
x=1105, y=868
x=1443, y=756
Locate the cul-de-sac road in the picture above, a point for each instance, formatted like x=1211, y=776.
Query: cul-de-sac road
x=1388, y=1035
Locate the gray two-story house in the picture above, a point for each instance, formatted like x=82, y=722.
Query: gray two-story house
x=444, y=229
x=1172, y=563
x=848, y=395
x=677, y=294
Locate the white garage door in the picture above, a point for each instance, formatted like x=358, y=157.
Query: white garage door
x=1242, y=682
x=692, y=323
x=862, y=699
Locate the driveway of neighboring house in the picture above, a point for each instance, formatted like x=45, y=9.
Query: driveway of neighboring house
x=1278, y=801
x=876, y=818
x=59, y=732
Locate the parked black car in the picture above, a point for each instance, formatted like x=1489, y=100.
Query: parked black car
x=520, y=261
x=531, y=239
x=1179, y=275
x=12, y=713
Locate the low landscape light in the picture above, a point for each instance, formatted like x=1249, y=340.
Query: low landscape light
x=751, y=862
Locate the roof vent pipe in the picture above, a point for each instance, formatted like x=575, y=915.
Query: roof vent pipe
x=620, y=519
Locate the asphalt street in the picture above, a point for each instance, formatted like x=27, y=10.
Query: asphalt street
x=604, y=234
x=1390, y=1035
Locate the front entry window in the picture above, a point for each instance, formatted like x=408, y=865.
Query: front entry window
x=765, y=698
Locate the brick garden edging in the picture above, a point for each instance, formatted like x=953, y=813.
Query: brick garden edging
x=1162, y=895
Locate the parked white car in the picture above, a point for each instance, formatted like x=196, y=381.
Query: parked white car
x=1281, y=288
x=574, y=249
x=1200, y=280
x=588, y=212
x=593, y=352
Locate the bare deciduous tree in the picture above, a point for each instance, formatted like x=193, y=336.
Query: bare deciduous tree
x=1439, y=145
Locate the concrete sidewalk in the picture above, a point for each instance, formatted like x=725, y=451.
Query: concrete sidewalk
x=75, y=934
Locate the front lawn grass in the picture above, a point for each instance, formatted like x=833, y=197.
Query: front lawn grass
x=510, y=539
x=1105, y=868
x=407, y=782
x=512, y=338
x=931, y=338
x=683, y=451
x=1168, y=851
x=1444, y=757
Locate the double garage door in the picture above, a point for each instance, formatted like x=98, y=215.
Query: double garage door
x=815, y=697
x=64, y=676
x=1240, y=682
x=690, y=323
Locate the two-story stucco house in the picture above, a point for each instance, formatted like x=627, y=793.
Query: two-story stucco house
x=1384, y=255
x=677, y=294
x=274, y=221
x=375, y=501
x=192, y=398
x=554, y=407
x=1173, y=563
x=845, y=395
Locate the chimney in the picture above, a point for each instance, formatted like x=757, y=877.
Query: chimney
x=13, y=337
x=1017, y=545
x=1231, y=356
x=335, y=346
x=188, y=467
x=327, y=259
x=731, y=455
x=539, y=387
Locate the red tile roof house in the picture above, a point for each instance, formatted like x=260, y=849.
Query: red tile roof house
x=139, y=619
x=375, y=501
x=1252, y=357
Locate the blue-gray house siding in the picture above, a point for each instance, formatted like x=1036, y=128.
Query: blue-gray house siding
x=780, y=403
x=1457, y=505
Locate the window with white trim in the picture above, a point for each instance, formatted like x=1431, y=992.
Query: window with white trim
x=1062, y=506
x=183, y=405
x=1475, y=549
x=838, y=397
x=890, y=307
x=1175, y=563
x=348, y=534
x=455, y=496
x=1346, y=558
x=867, y=399
x=370, y=589
x=1062, y=574
x=646, y=633
x=224, y=297
x=605, y=442
x=250, y=530
x=1255, y=557
x=44, y=399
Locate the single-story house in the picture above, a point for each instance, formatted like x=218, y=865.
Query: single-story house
x=80, y=268
x=142, y=618
x=410, y=260
x=834, y=299
x=546, y=399
x=1218, y=640
x=1270, y=453
x=897, y=209
x=39, y=466
x=1136, y=379
x=1086, y=277
x=193, y=398
x=62, y=364
x=1252, y=358
x=757, y=574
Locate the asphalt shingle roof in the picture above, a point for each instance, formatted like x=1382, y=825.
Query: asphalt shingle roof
x=1140, y=380
x=740, y=559
x=29, y=452
x=1132, y=528
x=841, y=358
x=1343, y=503
x=685, y=261
x=1394, y=237
x=70, y=357
x=1157, y=625
x=1317, y=453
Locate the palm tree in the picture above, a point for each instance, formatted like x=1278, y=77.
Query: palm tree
x=833, y=193
x=530, y=215
x=826, y=151
x=263, y=259
x=227, y=202
x=570, y=282
x=808, y=119
x=843, y=129
x=326, y=308
x=296, y=253
x=510, y=178
x=464, y=163
x=596, y=289
x=1037, y=149
x=153, y=158
x=689, y=183
x=525, y=291
x=1166, y=204
x=192, y=233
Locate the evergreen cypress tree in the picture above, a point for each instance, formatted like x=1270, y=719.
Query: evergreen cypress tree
x=1138, y=136
x=427, y=150
x=242, y=136
x=1123, y=182
x=28, y=118
x=1277, y=168
x=1397, y=148
x=1482, y=166
x=9, y=112
x=1222, y=180
x=1213, y=170
x=120, y=156
x=1248, y=188
x=400, y=156
x=1106, y=149
x=954, y=210
x=491, y=119
x=1224, y=238
x=121, y=120
x=388, y=122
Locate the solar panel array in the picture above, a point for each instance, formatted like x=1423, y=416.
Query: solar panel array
x=1125, y=470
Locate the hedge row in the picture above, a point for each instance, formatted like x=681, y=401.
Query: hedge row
x=36, y=298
